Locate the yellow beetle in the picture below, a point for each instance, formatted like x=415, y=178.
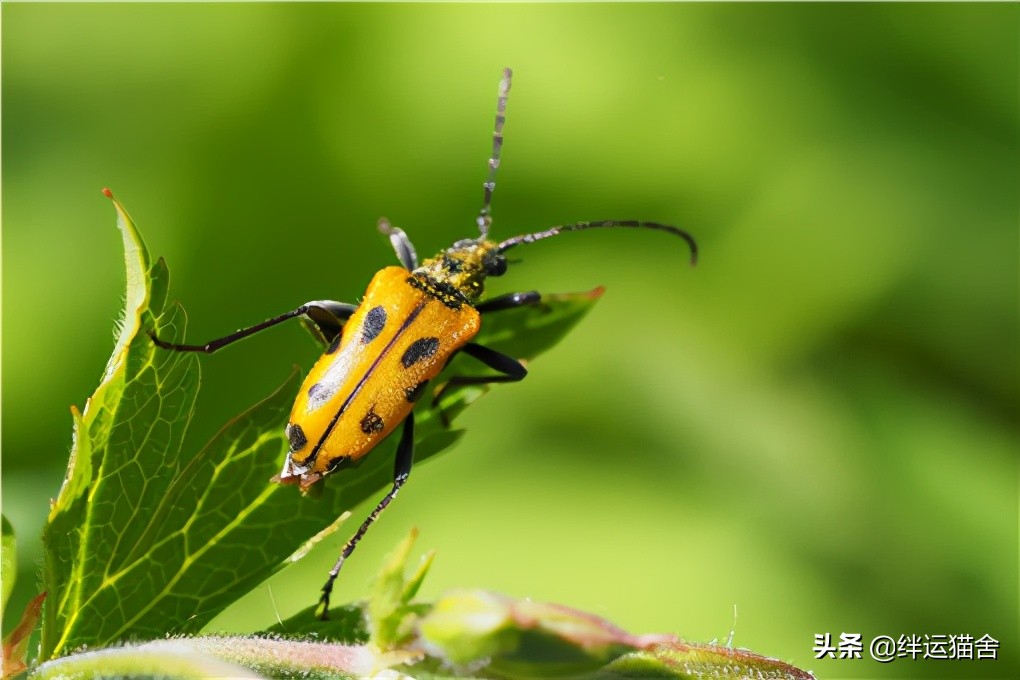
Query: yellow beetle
x=383, y=352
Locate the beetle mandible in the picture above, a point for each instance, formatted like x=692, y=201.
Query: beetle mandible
x=383, y=352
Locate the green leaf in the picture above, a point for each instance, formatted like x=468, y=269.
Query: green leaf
x=391, y=617
x=8, y=560
x=465, y=634
x=489, y=635
x=682, y=660
x=521, y=638
x=149, y=538
x=162, y=659
x=126, y=446
x=218, y=657
x=347, y=624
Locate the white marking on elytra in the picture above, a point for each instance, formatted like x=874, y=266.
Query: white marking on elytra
x=339, y=368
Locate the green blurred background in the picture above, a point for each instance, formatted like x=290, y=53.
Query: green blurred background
x=816, y=426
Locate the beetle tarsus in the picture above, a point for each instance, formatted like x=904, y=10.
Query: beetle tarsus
x=327, y=589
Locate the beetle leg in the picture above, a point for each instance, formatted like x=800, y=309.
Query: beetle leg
x=324, y=319
x=511, y=369
x=327, y=316
x=402, y=245
x=401, y=470
x=509, y=301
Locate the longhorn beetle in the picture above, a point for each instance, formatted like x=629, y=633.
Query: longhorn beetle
x=383, y=352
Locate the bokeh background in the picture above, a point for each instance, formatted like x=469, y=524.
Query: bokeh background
x=817, y=426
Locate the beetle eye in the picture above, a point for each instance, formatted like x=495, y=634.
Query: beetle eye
x=495, y=264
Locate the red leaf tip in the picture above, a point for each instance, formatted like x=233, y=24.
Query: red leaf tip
x=107, y=192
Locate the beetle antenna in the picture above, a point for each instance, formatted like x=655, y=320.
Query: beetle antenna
x=581, y=226
x=485, y=215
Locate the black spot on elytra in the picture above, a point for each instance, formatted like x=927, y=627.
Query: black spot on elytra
x=375, y=320
x=420, y=349
x=414, y=392
x=334, y=346
x=371, y=423
x=296, y=437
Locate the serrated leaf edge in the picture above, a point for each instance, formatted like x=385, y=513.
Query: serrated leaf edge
x=136, y=266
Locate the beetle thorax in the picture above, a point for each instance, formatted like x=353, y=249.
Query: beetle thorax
x=461, y=269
